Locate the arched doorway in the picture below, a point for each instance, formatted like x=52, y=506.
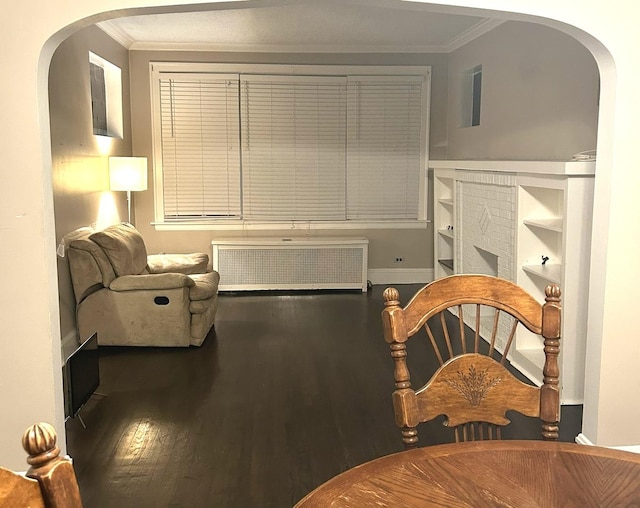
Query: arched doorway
x=25, y=145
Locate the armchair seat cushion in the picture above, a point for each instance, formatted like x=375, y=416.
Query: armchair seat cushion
x=178, y=263
x=206, y=286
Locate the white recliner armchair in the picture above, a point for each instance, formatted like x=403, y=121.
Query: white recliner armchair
x=133, y=299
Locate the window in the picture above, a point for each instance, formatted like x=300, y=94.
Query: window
x=106, y=97
x=383, y=146
x=293, y=147
x=471, y=97
x=263, y=146
x=200, y=146
x=98, y=99
x=476, y=89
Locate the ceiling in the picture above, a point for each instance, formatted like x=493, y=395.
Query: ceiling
x=302, y=26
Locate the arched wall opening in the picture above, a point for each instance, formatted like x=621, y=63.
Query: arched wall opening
x=465, y=11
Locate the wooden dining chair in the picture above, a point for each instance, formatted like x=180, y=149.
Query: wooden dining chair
x=467, y=318
x=50, y=481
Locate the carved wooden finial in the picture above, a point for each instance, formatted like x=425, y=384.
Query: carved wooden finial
x=39, y=441
x=552, y=293
x=391, y=297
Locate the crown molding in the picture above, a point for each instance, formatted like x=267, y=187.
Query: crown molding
x=111, y=28
x=281, y=48
x=481, y=28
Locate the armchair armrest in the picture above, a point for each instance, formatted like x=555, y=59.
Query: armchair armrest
x=151, y=282
x=188, y=264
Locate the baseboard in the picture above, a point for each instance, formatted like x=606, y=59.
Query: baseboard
x=632, y=449
x=571, y=402
x=584, y=440
x=386, y=276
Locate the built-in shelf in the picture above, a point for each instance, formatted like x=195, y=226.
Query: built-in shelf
x=444, y=221
x=551, y=273
x=528, y=361
x=447, y=263
x=554, y=224
x=555, y=215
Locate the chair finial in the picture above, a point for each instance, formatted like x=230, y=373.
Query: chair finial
x=391, y=297
x=552, y=293
x=39, y=441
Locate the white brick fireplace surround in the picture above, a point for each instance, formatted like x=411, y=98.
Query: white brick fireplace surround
x=485, y=228
x=486, y=223
x=503, y=218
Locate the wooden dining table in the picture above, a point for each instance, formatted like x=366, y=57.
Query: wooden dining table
x=488, y=473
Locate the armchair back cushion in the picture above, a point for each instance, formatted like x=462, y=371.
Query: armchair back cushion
x=124, y=247
x=91, y=267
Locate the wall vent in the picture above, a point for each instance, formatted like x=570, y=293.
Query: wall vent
x=291, y=263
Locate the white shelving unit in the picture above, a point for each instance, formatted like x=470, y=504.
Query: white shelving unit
x=553, y=224
x=554, y=221
x=444, y=222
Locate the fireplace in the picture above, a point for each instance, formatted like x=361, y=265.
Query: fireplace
x=485, y=262
x=486, y=235
x=486, y=223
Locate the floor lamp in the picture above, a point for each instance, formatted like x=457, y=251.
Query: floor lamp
x=128, y=174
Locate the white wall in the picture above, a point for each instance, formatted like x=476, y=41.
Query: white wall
x=30, y=381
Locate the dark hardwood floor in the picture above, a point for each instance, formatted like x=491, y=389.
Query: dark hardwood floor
x=290, y=390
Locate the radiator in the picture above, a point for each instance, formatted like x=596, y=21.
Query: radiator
x=291, y=263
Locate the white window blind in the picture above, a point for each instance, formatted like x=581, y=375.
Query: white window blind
x=200, y=146
x=383, y=146
x=293, y=147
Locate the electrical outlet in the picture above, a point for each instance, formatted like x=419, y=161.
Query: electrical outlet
x=398, y=260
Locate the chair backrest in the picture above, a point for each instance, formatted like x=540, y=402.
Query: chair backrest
x=467, y=318
x=50, y=482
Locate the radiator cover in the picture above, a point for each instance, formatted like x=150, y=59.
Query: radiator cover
x=290, y=263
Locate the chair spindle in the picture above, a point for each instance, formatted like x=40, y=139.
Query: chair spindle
x=447, y=337
x=461, y=331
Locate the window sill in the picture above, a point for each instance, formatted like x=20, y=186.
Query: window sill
x=224, y=225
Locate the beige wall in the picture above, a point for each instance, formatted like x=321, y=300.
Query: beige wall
x=539, y=96
x=79, y=167
x=30, y=378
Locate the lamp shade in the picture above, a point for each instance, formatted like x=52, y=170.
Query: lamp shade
x=127, y=173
